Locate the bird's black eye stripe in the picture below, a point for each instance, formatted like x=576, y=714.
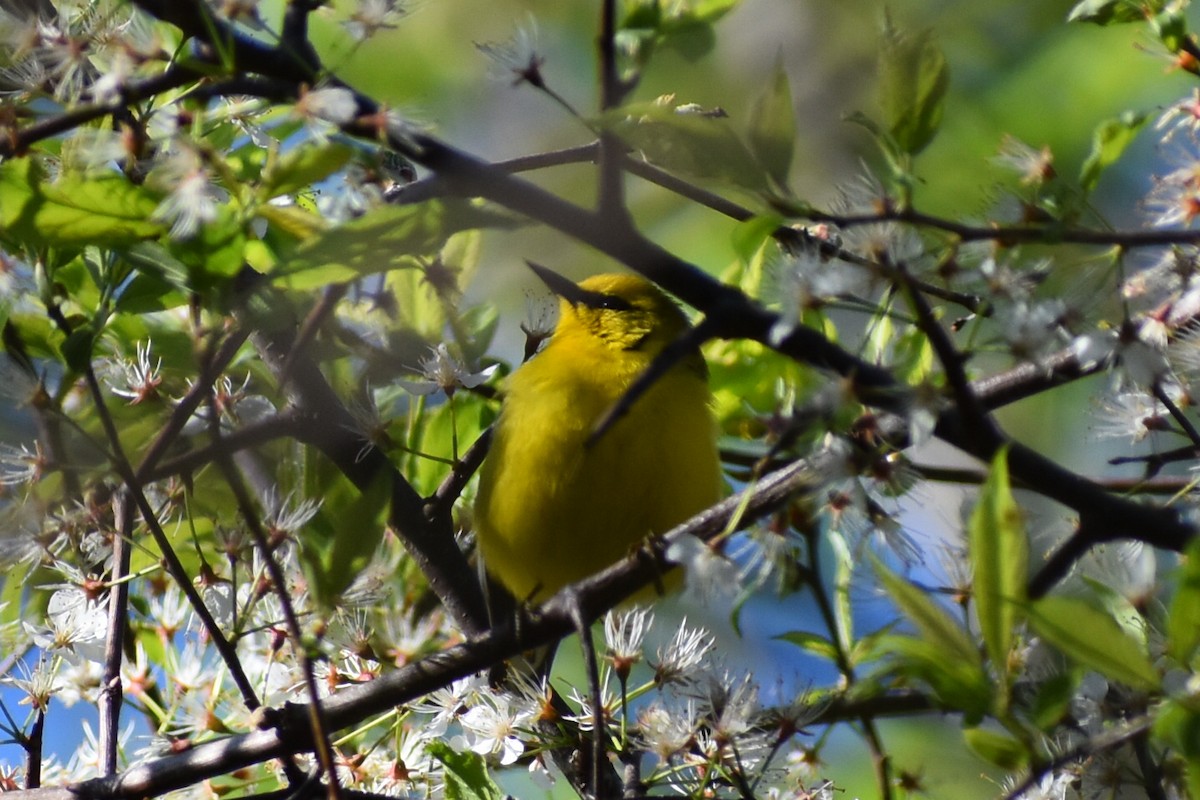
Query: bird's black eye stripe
x=613, y=303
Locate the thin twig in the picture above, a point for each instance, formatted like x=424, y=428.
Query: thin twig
x=978, y=422
x=17, y=143
x=1180, y=418
x=1099, y=743
x=111, y=693
x=174, y=566
x=460, y=474
x=685, y=346
x=249, y=513
x=211, y=368
x=582, y=624
x=879, y=757
x=286, y=424
x=553, y=621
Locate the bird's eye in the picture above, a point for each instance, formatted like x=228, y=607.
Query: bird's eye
x=613, y=303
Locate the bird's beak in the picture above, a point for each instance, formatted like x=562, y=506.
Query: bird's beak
x=578, y=296
x=558, y=284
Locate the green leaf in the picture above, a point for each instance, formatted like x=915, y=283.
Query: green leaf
x=914, y=77
x=73, y=211
x=934, y=623
x=1178, y=724
x=958, y=684
x=381, y=240
x=342, y=538
x=466, y=774
x=1109, y=141
x=1094, y=640
x=303, y=166
x=772, y=130
x=462, y=418
x=1183, y=621
x=1108, y=12
x=686, y=28
x=687, y=142
x=155, y=261
x=1170, y=25
x=216, y=253
x=749, y=236
x=1000, y=562
x=814, y=643
x=296, y=222
x=996, y=748
x=1052, y=700
x=77, y=349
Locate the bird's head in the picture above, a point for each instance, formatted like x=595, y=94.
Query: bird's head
x=625, y=312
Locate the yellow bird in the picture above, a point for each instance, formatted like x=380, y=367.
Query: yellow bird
x=553, y=508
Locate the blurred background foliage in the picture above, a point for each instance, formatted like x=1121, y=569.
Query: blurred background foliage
x=1015, y=68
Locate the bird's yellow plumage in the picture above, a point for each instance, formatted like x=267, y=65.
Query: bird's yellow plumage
x=552, y=509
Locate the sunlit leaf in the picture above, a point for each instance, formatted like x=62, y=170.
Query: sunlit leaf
x=105, y=210
x=1093, y=639
x=1109, y=141
x=465, y=773
x=303, y=166
x=999, y=559
x=958, y=684
x=914, y=77
x=687, y=142
x=1183, y=621
x=382, y=239
x=934, y=623
x=811, y=642
x=1108, y=12
x=749, y=236
x=772, y=127
x=996, y=748
x=216, y=253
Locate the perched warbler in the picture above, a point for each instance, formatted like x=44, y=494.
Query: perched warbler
x=553, y=508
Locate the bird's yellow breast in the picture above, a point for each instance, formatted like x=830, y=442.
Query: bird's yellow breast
x=551, y=509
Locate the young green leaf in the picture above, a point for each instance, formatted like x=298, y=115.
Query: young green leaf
x=688, y=142
x=772, y=130
x=73, y=211
x=466, y=774
x=382, y=239
x=814, y=643
x=1093, y=639
x=1109, y=141
x=958, y=684
x=914, y=77
x=1108, y=12
x=1000, y=561
x=303, y=166
x=1183, y=623
x=935, y=625
x=996, y=748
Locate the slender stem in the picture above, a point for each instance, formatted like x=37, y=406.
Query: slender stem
x=111, y=693
x=1188, y=428
x=879, y=757
x=591, y=664
x=211, y=368
x=246, y=506
x=174, y=566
